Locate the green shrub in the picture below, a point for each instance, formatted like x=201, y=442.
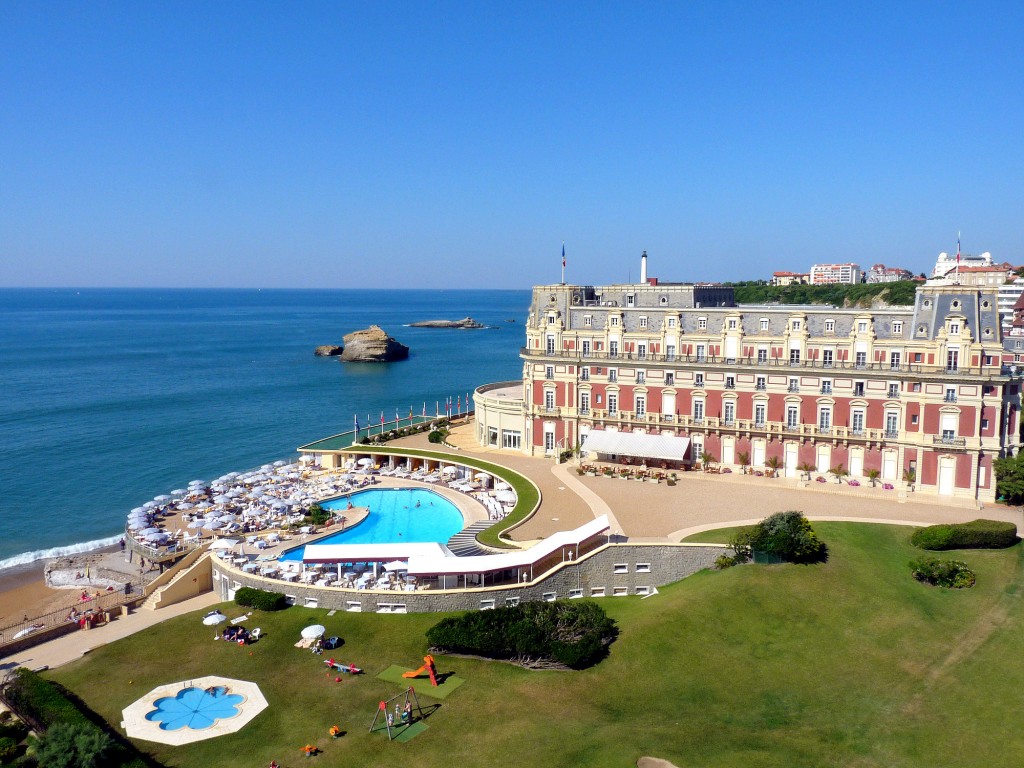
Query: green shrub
x=317, y=515
x=73, y=745
x=8, y=749
x=943, y=573
x=784, y=535
x=567, y=634
x=260, y=599
x=977, y=534
x=437, y=436
x=727, y=561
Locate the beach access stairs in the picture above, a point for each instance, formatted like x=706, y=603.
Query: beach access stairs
x=189, y=577
x=464, y=543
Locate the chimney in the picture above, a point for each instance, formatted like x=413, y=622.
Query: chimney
x=643, y=267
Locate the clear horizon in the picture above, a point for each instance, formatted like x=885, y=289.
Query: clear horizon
x=456, y=145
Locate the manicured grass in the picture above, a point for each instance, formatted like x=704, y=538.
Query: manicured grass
x=527, y=494
x=850, y=663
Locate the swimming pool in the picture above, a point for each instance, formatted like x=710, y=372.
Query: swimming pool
x=195, y=708
x=396, y=514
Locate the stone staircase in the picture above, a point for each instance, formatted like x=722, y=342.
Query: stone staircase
x=464, y=544
x=153, y=601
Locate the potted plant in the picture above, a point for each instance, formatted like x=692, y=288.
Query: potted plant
x=909, y=477
x=706, y=460
x=838, y=472
x=873, y=475
x=744, y=459
x=773, y=465
x=806, y=468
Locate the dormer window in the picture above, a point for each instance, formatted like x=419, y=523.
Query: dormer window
x=732, y=324
x=663, y=301
x=671, y=322
x=588, y=320
x=630, y=300
x=862, y=326
x=830, y=326
x=643, y=322
x=702, y=323
x=797, y=325
x=955, y=304
x=954, y=329
x=614, y=322
x=764, y=323
x=897, y=327
x=551, y=319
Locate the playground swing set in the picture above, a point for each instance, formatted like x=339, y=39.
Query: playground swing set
x=403, y=713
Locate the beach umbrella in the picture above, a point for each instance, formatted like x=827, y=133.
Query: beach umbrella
x=501, y=485
x=178, y=492
x=449, y=470
x=149, y=505
x=195, y=524
x=162, y=498
x=365, y=462
x=148, y=531
x=213, y=619
x=138, y=511
x=224, y=544
x=314, y=631
x=222, y=499
x=280, y=463
x=481, y=476
x=505, y=496
x=227, y=518
x=185, y=505
x=203, y=505
x=212, y=525
x=396, y=565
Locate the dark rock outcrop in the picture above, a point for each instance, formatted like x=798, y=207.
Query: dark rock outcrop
x=466, y=322
x=372, y=345
x=328, y=350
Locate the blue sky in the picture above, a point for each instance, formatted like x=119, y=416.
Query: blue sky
x=458, y=144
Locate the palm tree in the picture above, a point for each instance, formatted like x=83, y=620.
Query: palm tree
x=909, y=477
x=707, y=459
x=744, y=459
x=873, y=475
x=838, y=472
x=773, y=465
x=806, y=468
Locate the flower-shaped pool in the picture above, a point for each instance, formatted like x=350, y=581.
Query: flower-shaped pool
x=195, y=708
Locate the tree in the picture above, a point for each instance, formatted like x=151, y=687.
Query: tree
x=744, y=459
x=787, y=535
x=73, y=745
x=873, y=475
x=707, y=459
x=806, y=468
x=838, y=472
x=773, y=465
x=1010, y=478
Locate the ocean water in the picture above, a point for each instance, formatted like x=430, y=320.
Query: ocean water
x=111, y=396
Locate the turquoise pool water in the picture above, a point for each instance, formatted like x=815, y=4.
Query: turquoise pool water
x=195, y=708
x=396, y=514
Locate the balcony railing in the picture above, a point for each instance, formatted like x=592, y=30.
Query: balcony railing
x=950, y=397
x=826, y=390
x=952, y=442
x=892, y=434
x=775, y=362
x=793, y=388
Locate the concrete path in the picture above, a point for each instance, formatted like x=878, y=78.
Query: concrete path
x=598, y=506
x=70, y=647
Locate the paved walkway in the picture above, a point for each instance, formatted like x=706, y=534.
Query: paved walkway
x=70, y=647
x=597, y=505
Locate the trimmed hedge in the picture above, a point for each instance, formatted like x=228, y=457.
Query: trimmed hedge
x=260, y=599
x=567, y=634
x=977, y=534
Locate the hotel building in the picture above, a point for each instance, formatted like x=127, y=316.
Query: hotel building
x=668, y=371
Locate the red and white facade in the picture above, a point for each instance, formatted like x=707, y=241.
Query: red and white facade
x=915, y=392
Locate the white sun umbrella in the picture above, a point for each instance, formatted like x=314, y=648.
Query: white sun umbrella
x=501, y=485
x=365, y=462
x=222, y=499
x=482, y=476
x=147, y=531
x=149, y=505
x=162, y=498
x=196, y=483
x=505, y=496
x=203, y=505
x=280, y=463
x=267, y=467
x=185, y=505
x=138, y=511
x=156, y=537
x=214, y=619
x=212, y=525
x=178, y=492
x=195, y=524
x=449, y=470
x=227, y=518
x=224, y=544
x=314, y=631
x=396, y=565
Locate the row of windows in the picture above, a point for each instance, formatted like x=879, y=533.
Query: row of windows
x=732, y=324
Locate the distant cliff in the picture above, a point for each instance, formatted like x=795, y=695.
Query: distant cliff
x=466, y=322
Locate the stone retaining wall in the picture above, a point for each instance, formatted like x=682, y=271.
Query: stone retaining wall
x=610, y=571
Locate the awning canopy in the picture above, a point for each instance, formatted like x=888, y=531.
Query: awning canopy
x=368, y=553
x=666, y=447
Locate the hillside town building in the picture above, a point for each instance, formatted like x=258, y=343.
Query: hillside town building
x=664, y=372
x=826, y=274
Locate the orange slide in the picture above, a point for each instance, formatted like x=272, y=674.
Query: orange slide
x=428, y=667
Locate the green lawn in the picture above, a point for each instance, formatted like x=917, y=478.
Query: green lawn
x=850, y=663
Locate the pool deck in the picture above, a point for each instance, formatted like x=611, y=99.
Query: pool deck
x=136, y=726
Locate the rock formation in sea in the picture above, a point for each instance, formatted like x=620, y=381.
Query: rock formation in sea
x=372, y=345
x=466, y=322
x=328, y=350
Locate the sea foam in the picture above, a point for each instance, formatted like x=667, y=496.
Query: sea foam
x=71, y=549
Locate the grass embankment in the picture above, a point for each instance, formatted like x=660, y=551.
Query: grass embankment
x=527, y=494
x=859, y=295
x=849, y=663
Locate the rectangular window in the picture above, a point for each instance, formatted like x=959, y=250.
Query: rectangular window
x=792, y=416
x=732, y=325
x=613, y=348
x=761, y=383
x=698, y=411
x=613, y=403
x=759, y=414
x=861, y=360
x=826, y=386
x=630, y=300
x=950, y=395
x=671, y=322
x=641, y=377
x=487, y=605
x=698, y=379
x=597, y=591
x=913, y=419
x=549, y=399
x=730, y=382
x=353, y=606
x=894, y=391
x=764, y=323
x=549, y=372
x=640, y=406
x=702, y=323
x=953, y=360
x=858, y=389
x=954, y=329
x=984, y=423
x=620, y=568
x=670, y=378
x=549, y=597
x=825, y=420
x=794, y=385
x=511, y=439
x=511, y=602
x=620, y=591
x=701, y=353
x=892, y=420
x=762, y=356
x=794, y=357
x=894, y=360
x=575, y=594
x=729, y=412
x=643, y=567
x=670, y=352
x=857, y=422
x=588, y=320
x=897, y=328
x=797, y=325
x=613, y=375
x=584, y=403
x=830, y=326
x=826, y=358
x=586, y=348
x=643, y=590
x=862, y=326
x=643, y=322
x=584, y=374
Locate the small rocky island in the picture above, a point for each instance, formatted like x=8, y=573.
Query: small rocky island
x=370, y=345
x=466, y=323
